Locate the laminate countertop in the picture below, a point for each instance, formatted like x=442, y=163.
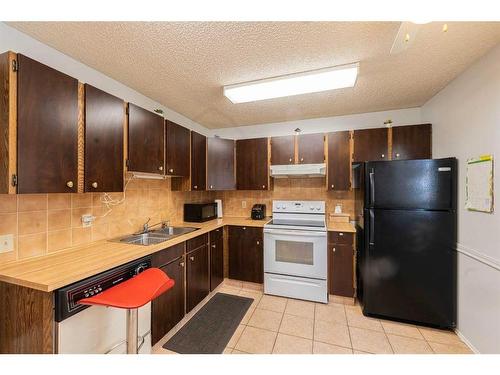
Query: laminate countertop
x=334, y=226
x=55, y=270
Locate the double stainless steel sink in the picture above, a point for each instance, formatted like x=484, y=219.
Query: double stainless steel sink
x=155, y=236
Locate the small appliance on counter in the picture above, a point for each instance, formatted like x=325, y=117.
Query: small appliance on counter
x=258, y=211
x=200, y=212
x=218, y=202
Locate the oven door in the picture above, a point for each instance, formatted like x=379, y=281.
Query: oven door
x=295, y=252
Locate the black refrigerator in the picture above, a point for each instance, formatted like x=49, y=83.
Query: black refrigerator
x=407, y=240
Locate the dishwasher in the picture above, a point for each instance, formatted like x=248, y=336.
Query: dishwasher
x=96, y=329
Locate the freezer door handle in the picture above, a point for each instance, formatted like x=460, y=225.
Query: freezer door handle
x=372, y=186
x=371, y=240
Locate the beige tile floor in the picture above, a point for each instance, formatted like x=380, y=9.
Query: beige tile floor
x=286, y=326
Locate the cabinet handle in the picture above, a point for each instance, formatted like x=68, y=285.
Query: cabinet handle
x=160, y=168
x=195, y=187
x=383, y=156
x=69, y=184
x=397, y=155
x=244, y=228
x=171, y=170
x=181, y=264
x=333, y=249
x=290, y=159
x=213, y=246
x=211, y=186
x=333, y=186
x=258, y=242
x=341, y=234
x=263, y=186
x=301, y=159
x=191, y=258
x=94, y=185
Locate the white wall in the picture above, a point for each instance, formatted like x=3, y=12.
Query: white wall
x=466, y=123
x=13, y=40
x=408, y=116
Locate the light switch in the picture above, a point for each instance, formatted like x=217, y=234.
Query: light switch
x=243, y=204
x=6, y=243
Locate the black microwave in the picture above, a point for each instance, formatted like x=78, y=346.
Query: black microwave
x=199, y=212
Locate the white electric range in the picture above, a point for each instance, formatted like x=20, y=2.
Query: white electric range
x=295, y=251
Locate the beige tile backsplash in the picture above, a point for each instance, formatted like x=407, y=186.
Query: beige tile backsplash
x=44, y=223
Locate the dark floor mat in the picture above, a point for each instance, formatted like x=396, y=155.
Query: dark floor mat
x=211, y=328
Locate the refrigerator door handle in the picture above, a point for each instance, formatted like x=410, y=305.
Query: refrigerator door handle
x=372, y=186
x=371, y=240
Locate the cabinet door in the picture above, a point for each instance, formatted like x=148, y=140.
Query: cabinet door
x=145, y=141
x=220, y=164
x=8, y=123
x=370, y=145
x=412, y=142
x=246, y=254
x=104, y=116
x=252, y=169
x=216, y=258
x=168, y=309
x=177, y=140
x=341, y=269
x=311, y=148
x=283, y=150
x=198, y=161
x=197, y=277
x=47, y=132
x=339, y=161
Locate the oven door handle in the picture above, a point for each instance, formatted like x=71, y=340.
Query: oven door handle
x=295, y=232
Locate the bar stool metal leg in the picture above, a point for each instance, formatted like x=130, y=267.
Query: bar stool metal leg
x=132, y=331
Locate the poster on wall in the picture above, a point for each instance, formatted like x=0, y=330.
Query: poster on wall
x=479, y=184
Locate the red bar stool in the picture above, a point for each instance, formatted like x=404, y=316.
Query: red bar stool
x=132, y=294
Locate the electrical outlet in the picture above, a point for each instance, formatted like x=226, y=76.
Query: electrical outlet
x=6, y=243
x=243, y=204
x=87, y=220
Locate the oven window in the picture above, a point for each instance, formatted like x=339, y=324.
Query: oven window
x=294, y=252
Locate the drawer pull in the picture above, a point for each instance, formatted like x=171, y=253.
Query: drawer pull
x=333, y=249
x=258, y=242
x=181, y=264
x=94, y=185
x=69, y=184
x=195, y=186
x=160, y=168
x=170, y=170
x=341, y=234
x=290, y=159
x=191, y=258
x=213, y=246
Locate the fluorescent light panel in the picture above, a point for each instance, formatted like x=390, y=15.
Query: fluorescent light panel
x=293, y=84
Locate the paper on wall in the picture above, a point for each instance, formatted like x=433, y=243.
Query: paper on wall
x=479, y=184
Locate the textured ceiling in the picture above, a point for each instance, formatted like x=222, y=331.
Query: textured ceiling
x=184, y=65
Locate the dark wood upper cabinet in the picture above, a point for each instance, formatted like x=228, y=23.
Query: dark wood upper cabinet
x=47, y=130
x=104, y=118
x=177, y=142
x=252, y=164
x=283, y=150
x=220, y=164
x=339, y=161
x=412, y=142
x=370, y=145
x=8, y=124
x=246, y=254
x=145, y=140
x=341, y=263
x=311, y=148
x=198, y=161
x=216, y=257
x=197, y=277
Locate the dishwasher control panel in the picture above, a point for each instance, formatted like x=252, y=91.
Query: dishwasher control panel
x=66, y=298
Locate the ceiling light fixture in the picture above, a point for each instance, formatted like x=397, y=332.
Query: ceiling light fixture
x=294, y=84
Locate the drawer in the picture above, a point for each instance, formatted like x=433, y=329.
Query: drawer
x=346, y=238
x=248, y=232
x=167, y=255
x=216, y=234
x=196, y=242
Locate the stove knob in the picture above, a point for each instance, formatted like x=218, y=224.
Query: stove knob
x=139, y=269
x=99, y=289
x=86, y=295
x=92, y=293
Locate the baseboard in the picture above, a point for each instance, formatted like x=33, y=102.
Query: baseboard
x=480, y=257
x=467, y=342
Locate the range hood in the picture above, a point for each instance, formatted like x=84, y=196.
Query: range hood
x=298, y=170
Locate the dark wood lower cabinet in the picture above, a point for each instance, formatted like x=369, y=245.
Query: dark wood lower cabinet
x=197, y=277
x=341, y=264
x=216, y=258
x=168, y=309
x=246, y=255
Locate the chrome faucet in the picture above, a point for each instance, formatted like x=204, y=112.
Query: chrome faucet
x=146, y=227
